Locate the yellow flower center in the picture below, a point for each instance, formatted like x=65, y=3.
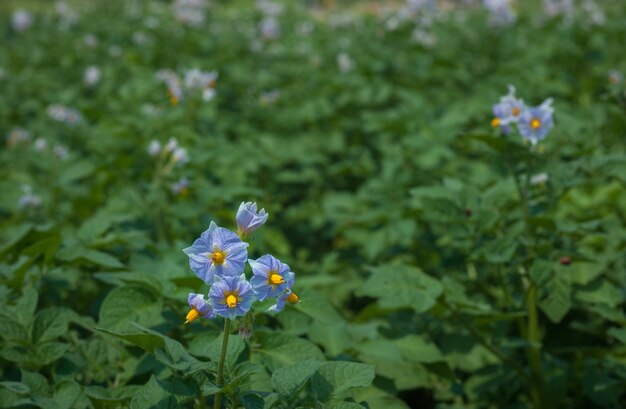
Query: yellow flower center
x=535, y=123
x=495, y=122
x=515, y=111
x=217, y=257
x=231, y=301
x=275, y=279
x=192, y=316
x=293, y=298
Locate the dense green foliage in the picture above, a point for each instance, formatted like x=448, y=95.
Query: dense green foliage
x=434, y=268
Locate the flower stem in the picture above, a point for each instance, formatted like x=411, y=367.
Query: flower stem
x=220, y=367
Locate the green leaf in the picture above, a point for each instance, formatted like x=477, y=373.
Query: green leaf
x=66, y=393
x=13, y=234
x=16, y=387
x=127, y=304
x=335, y=338
x=558, y=301
x=48, y=352
x=11, y=330
x=160, y=394
x=346, y=405
x=402, y=286
x=50, y=323
x=235, y=347
x=618, y=333
x=251, y=401
x=277, y=350
x=288, y=379
x=148, y=342
x=333, y=379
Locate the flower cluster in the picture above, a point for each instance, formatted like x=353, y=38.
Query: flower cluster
x=500, y=11
x=191, y=13
x=218, y=257
x=533, y=123
x=18, y=136
x=176, y=154
x=60, y=113
x=195, y=81
x=28, y=198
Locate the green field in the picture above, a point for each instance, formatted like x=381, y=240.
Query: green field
x=445, y=181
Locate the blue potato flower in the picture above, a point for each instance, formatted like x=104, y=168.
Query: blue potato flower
x=231, y=296
x=199, y=308
x=536, y=122
x=218, y=252
x=282, y=299
x=248, y=219
x=508, y=110
x=271, y=277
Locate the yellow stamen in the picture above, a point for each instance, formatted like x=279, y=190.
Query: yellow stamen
x=217, y=257
x=515, y=111
x=231, y=301
x=293, y=298
x=275, y=279
x=192, y=316
x=495, y=122
x=535, y=123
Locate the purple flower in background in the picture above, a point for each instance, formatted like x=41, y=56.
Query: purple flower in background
x=508, y=110
x=271, y=277
x=199, y=308
x=231, y=296
x=248, y=219
x=219, y=252
x=536, y=122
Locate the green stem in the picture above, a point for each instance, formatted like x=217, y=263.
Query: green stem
x=534, y=350
x=220, y=367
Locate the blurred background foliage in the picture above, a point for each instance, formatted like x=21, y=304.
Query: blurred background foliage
x=464, y=268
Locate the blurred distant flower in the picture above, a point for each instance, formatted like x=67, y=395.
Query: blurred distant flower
x=539, y=179
x=269, y=97
x=231, y=297
x=507, y=111
x=218, y=251
x=92, y=75
x=181, y=187
x=154, y=148
x=21, y=20
x=172, y=144
x=190, y=12
x=180, y=156
x=269, y=8
x=90, y=40
x=555, y=8
x=196, y=79
x=536, y=122
x=423, y=37
x=344, y=62
x=615, y=77
x=140, y=38
x=17, y=136
x=249, y=219
x=64, y=114
x=61, y=152
x=28, y=198
x=41, y=144
x=151, y=22
x=269, y=28
x=173, y=83
x=115, y=51
x=199, y=308
x=593, y=13
x=271, y=277
x=305, y=28
x=501, y=13
x=67, y=15
x=3, y=74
